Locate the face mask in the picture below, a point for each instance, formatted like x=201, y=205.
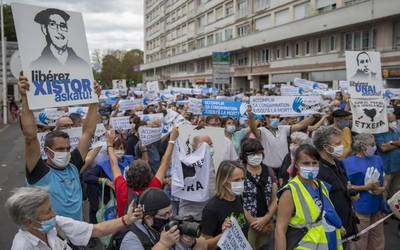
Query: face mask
x=337, y=151
x=230, y=129
x=212, y=152
x=309, y=173
x=393, y=125
x=119, y=153
x=370, y=150
x=274, y=123
x=237, y=187
x=343, y=124
x=47, y=225
x=254, y=160
x=158, y=223
x=60, y=159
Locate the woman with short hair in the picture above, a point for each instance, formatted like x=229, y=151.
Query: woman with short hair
x=30, y=209
x=365, y=172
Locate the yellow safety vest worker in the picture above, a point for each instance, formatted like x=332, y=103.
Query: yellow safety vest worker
x=306, y=215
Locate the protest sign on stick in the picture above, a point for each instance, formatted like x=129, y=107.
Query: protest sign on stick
x=121, y=122
x=54, y=56
x=233, y=238
x=369, y=116
x=285, y=105
x=149, y=135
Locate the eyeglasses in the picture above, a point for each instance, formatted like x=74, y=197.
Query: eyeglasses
x=54, y=26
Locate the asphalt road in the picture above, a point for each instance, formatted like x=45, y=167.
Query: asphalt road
x=12, y=175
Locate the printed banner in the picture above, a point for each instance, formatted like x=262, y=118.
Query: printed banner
x=363, y=66
x=54, y=56
x=391, y=94
x=221, y=108
x=344, y=85
x=285, y=105
x=195, y=106
x=151, y=117
x=309, y=85
x=185, y=91
x=171, y=120
x=191, y=173
x=292, y=91
x=121, y=122
x=48, y=117
x=149, y=135
x=370, y=89
x=129, y=104
x=119, y=84
x=99, y=139
x=152, y=87
x=221, y=67
x=369, y=116
x=233, y=238
x=78, y=110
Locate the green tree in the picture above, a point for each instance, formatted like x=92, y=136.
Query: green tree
x=9, y=29
x=131, y=63
x=111, y=69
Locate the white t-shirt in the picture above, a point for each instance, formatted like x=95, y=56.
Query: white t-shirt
x=229, y=152
x=77, y=232
x=275, y=146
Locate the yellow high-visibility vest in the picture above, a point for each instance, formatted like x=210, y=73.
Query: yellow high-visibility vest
x=306, y=215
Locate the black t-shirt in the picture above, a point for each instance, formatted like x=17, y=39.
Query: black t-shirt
x=215, y=213
x=41, y=168
x=131, y=142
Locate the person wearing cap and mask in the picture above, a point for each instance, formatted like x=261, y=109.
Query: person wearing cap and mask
x=149, y=233
x=60, y=171
x=342, y=122
x=327, y=140
x=388, y=144
x=54, y=26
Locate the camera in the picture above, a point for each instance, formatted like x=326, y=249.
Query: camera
x=186, y=225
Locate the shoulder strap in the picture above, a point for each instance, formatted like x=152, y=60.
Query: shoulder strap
x=321, y=196
x=143, y=237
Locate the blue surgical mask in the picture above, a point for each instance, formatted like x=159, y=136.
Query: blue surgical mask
x=274, y=123
x=47, y=225
x=309, y=173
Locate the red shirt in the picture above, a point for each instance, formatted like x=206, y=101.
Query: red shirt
x=121, y=192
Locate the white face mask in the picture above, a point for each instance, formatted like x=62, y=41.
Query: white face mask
x=237, y=187
x=60, y=159
x=230, y=129
x=254, y=160
x=212, y=152
x=119, y=153
x=337, y=151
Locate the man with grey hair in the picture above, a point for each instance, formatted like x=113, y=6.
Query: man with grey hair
x=30, y=208
x=328, y=142
x=192, y=208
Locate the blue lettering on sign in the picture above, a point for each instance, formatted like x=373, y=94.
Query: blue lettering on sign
x=59, y=85
x=364, y=88
x=221, y=108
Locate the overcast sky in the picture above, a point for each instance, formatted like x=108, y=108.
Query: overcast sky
x=110, y=24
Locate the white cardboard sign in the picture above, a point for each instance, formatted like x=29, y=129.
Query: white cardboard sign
x=149, y=135
x=363, y=66
x=121, y=122
x=369, y=116
x=233, y=238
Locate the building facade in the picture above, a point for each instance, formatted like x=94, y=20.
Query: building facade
x=270, y=41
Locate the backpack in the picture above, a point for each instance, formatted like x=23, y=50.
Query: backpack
x=116, y=239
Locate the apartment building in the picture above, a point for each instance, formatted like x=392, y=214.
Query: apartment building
x=270, y=41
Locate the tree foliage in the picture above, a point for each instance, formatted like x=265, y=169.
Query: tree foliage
x=9, y=29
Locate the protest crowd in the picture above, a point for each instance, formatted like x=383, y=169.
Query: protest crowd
x=179, y=168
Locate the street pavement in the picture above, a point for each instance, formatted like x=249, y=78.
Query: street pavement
x=12, y=174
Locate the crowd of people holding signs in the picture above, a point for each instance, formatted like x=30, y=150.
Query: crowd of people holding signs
x=296, y=166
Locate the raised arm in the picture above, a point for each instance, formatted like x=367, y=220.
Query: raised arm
x=91, y=155
x=89, y=125
x=302, y=125
x=162, y=170
x=252, y=122
x=111, y=154
x=28, y=126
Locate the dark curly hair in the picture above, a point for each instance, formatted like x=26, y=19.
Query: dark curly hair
x=250, y=146
x=138, y=175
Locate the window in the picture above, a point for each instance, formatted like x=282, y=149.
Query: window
x=243, y=30
x=210, y=17
x=287, y=50
x=324, y=5
x=210, y=39
x=201, y=67
x=357, y=40
x=263, y=23
x=278, y=53
x=218, y=37
x=319, y=45
x=396, y=35
x=332, y=43
x=301, y=11
x=349, y=41
x=262, y=4
x=202, y=21
x=307, y=47
x=229, y=9
x=228, y=34
x=262, y=56
x=219, y=12
x=242, y=59
x=297, y=49
x=365, y=40
x=201, y=42
x=360, y=40
x=242, y=8
x=282, y=17
x=190, y=67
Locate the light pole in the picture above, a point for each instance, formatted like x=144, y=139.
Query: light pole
x=3, y=65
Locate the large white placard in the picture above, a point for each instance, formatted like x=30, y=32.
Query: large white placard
x=54, y=56
x=285, y=105
x=233, y=238
x=149, y=135
x=369, y=116
x=195, y=106
x=370, y=89
x=149, y=118
x=363, y=66
x=121, y=122
x=391, y=94
x=309, y=85
x=48, y=117
x=119, y=84
x=190, y=173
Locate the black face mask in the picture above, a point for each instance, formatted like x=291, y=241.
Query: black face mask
x=158, y=224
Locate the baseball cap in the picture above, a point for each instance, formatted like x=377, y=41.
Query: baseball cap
x=154, y=199
x=340, y=113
